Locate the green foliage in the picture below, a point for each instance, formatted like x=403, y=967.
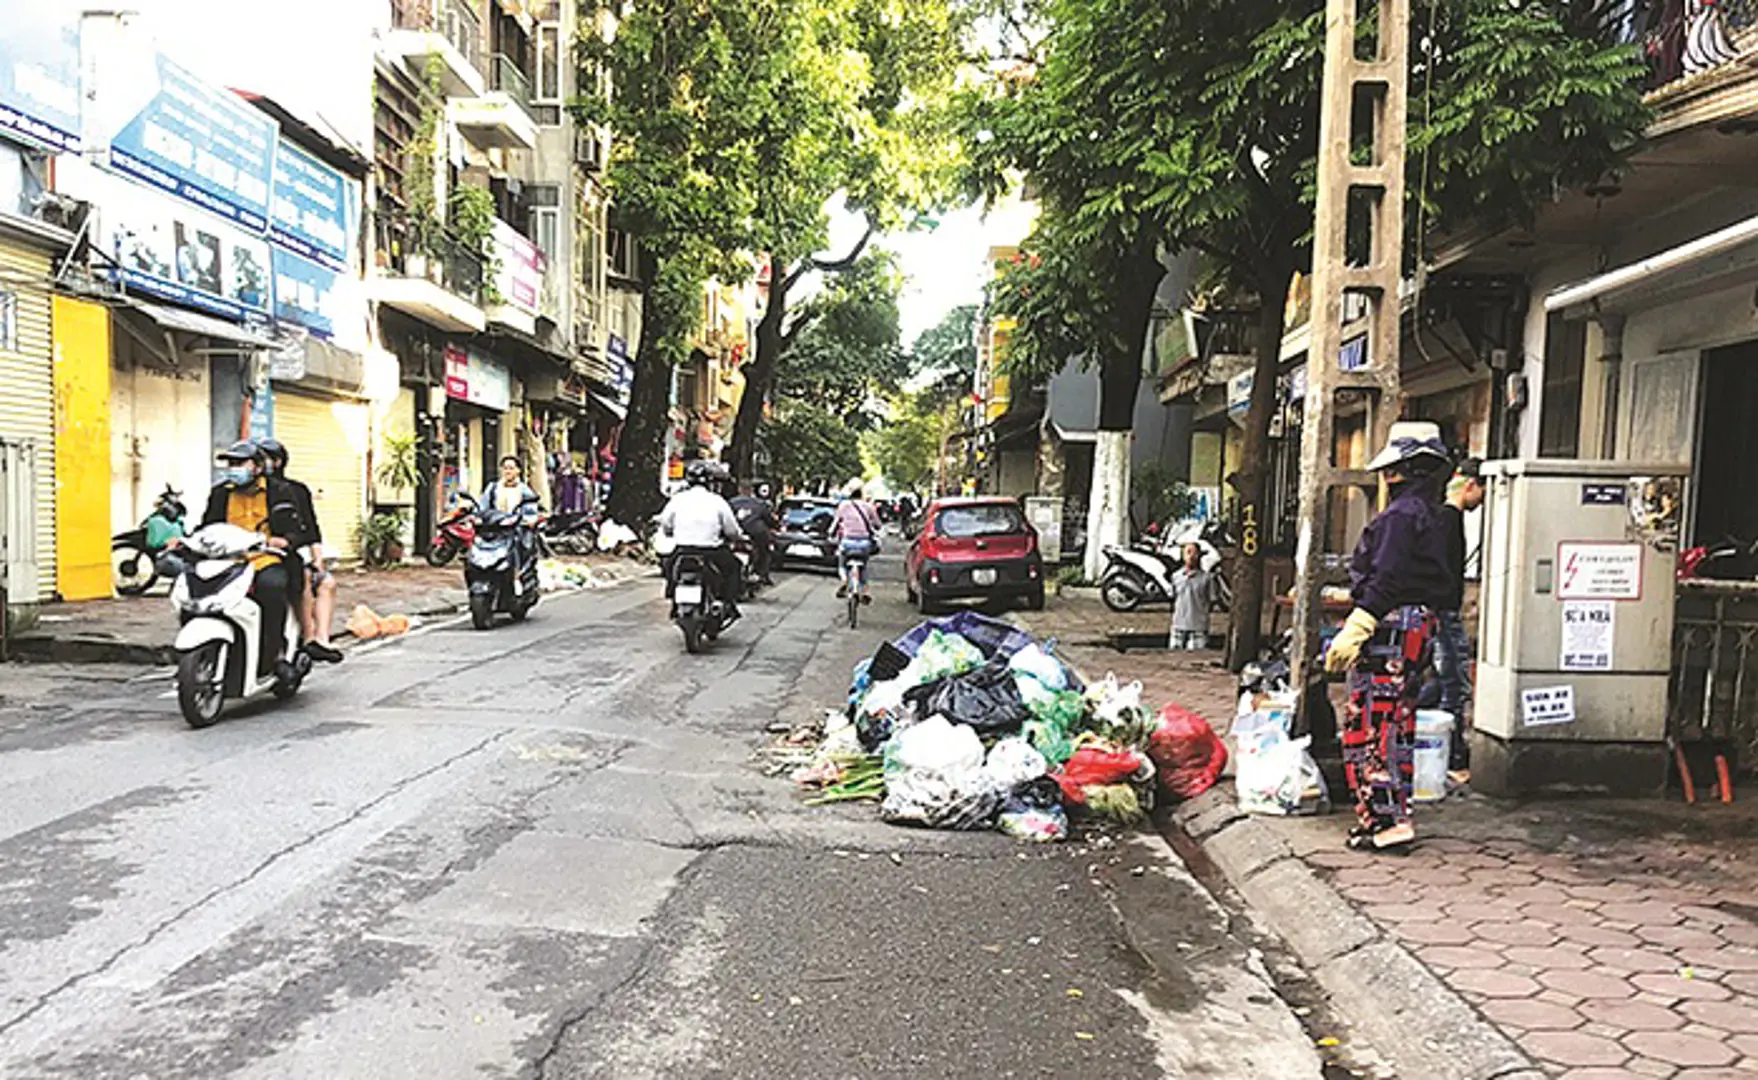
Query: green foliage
x=809, y=447
x=949, y=345
x=472, y=218
x=379, y=536
x=398, y=461
x=1160, y=495
x=419, y=156
x=847, y=352
x=906, y=449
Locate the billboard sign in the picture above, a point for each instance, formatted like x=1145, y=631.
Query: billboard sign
x=311, y=213
x=202, y=144
x=39, y=75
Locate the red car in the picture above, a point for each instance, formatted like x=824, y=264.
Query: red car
x=974, y=548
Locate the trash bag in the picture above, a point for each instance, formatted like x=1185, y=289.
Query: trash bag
x=888, y=662
x=1187, y=754
x=1277, y=775
x=1036, y=794
x=1039, y=824
x=934, y=745
x=1065, y=709
x=985, y=699
x=1049, y=739
x=1012, y=762
x=1036, y=662
x=1117, y=713
x=992, y=637
x=1095, y=764
x=944, y=654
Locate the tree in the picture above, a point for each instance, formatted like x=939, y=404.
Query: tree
x=848, y=351
x=1137, y=115
x=948, y=345
x=810, y=447
x=852, y=101
x=677, y=105
x=908, y=447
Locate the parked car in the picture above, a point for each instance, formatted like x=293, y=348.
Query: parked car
x=804, y=536
x=974, y=548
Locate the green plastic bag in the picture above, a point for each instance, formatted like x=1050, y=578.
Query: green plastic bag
x=947, y=654
x=1049, y=739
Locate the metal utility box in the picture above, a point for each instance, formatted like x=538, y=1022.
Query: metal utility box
x=1045, y=514
x=1575, y=624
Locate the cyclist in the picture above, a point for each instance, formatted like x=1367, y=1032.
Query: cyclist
x=856, y=524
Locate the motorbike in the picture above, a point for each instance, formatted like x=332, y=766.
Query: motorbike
x=135, y=553
x=501, y=570
x=572, y=533
x=1141, y=575
x=455, y=533
x=1728, y=559
x=697, y=606
x=220, y=645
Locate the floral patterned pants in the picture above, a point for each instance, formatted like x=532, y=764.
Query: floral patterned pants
x=1379, y=722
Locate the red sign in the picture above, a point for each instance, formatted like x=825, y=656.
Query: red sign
x=457, y=373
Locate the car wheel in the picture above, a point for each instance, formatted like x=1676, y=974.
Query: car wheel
x=1035, y=599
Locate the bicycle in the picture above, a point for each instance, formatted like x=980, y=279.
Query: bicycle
x=856, y=579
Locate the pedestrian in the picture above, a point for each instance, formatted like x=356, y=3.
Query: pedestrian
x=1400, y=578
x=1452, y=647
x=1193, y=597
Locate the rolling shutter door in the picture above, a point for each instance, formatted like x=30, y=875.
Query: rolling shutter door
x=27, y=390
x=322, y=455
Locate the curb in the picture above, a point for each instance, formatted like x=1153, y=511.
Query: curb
x=1404, y=1010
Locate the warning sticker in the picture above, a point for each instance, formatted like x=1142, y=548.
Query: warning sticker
x=1589, y=570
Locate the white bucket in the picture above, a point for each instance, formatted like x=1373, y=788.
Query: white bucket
x=1434, y=746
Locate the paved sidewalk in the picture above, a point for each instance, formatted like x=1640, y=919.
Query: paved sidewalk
x=139, y=629
x=1586, y=939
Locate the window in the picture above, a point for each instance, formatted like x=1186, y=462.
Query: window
x=549, y=63
x=8, y=322
x=622, y=255
x=1559, y=418
x=969, y=522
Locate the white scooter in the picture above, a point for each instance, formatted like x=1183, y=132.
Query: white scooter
x=221, y=640
x=1141, y=576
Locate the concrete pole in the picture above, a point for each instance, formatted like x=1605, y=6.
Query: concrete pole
x=1353, y=301
x=1611, y=354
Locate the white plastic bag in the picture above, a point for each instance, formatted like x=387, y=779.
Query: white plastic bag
x=1040, y=665
x=1277, y=774
x=1012, y=762
x=1112, y=700
x=934, y=745
x=934, y=776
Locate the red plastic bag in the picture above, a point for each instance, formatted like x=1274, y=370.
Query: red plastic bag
x=1189, y=755
x=1093, y=765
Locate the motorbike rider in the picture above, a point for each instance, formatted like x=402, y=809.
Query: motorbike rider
x=758, y=519
x=251, y=499
x=702, y=523
x=512, y=495
x=315, y=599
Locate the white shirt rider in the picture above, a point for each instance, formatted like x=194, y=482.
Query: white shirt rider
x=698, y=518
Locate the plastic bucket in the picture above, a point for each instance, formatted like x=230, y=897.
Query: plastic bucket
x=1434, y=745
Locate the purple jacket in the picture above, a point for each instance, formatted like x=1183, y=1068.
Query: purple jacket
x=1402, y=557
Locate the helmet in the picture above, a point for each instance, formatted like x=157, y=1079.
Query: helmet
x=275, y=453
x=244, y=450
x=702, y=473
x=1414, y=444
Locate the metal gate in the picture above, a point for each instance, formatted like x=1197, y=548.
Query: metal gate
x=18, y=526
x=1713, y=691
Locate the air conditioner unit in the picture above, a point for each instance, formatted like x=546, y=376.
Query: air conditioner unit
x=589, y=150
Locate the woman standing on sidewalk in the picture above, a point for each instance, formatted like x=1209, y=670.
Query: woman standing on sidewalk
x=1400, y=578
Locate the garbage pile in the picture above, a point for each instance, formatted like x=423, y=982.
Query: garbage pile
x=968, y=722
x=1277, y=775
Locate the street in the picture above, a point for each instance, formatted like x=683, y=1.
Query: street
x=547, y=850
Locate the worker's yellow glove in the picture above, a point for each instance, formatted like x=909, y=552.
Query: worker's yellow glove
x=1346, y=646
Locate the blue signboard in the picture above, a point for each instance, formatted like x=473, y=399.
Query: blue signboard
x=262, y=413
x=201, y=144
x=39, y=75
x=310, y=212
x=304, y=292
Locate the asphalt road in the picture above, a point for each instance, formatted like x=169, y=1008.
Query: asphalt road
x=546, y=850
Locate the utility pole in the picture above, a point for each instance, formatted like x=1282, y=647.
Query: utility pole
x=1357, y=264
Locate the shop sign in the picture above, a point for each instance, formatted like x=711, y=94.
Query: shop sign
x=39, y=75
x=312, y=210
x=519, y=277
x=1239, y=395
x=262, y=413
x=623, y=368
x=172, y=250
x=198, y=142
x=475, y=378
x=1352, y=356
x=1591, y=570
x=306, y=292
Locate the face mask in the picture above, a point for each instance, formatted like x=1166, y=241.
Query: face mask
x=240, y=477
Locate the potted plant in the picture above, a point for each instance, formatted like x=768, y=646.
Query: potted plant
x=399, y=466
x=380, y=537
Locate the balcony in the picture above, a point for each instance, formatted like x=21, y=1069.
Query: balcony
x=417, y=49
x=1702, y=58
x=501, y=117
x=437, y=280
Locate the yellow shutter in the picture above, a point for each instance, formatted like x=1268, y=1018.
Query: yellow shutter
x=325, y=441
x=27, y=388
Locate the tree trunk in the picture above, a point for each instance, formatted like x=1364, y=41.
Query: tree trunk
x=1119, y=383
x=760, y=374
x=635, y=494
x=1245, y=630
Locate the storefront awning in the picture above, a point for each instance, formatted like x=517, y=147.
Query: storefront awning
x=611, y=405
x=189, y=322
x=1724, y=257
